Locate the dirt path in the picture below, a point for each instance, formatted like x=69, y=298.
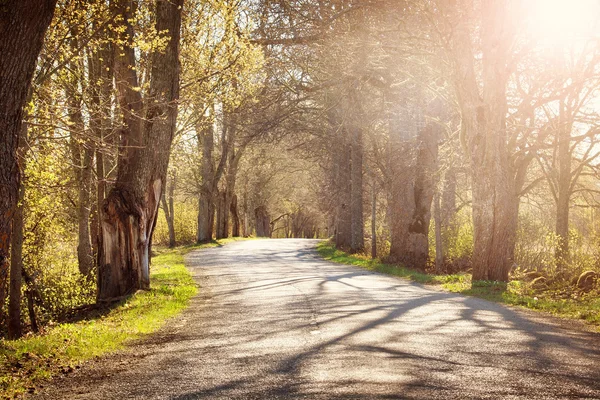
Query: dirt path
x=273, y=321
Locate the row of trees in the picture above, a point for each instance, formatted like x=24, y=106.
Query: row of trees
x=434, y=133
x=443, y=88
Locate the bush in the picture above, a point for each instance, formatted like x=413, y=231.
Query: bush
x=186, y=224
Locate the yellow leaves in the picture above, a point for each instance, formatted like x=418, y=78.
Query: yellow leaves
x=216, y=51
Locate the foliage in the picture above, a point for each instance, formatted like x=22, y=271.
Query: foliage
x=186, y=224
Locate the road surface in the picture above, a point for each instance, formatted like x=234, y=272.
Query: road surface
x=273, y=321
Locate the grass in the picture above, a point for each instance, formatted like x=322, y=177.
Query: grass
x=584, y=307
x=26, y=362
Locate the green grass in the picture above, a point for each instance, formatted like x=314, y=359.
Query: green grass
x=516, y=293
x=26, y=362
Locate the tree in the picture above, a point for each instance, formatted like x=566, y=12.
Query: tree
x=484, y=129
x=130, y=209
x=23, y=25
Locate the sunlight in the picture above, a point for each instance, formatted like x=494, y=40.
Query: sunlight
x=559, y=21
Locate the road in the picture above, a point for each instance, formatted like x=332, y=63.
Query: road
x=273, y=321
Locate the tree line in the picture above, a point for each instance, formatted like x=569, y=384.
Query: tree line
x=442, y=135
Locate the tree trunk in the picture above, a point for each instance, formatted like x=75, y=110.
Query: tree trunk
x=235, y=217
x=563, y=189
x=484, y=133
x=343, y=229
x=439, y=245
x=411, y=203
x=358, y=227
x=16, y=249
x=16, y=269
x=206, y=217
x=373, y=221
x=23, y=25
x=246, y=228
x=263, y=222
x=130, y=209
x=206, y=209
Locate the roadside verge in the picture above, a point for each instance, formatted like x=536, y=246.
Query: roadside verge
x=515, y=293
x=96, y=331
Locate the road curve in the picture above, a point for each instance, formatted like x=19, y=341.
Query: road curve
x=273, y=321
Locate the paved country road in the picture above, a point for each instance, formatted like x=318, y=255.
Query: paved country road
x=273, y=321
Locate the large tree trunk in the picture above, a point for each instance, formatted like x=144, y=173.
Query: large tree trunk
x=373, y=220
x=23, y=25
x=16, y=246
x=246, y=226
x=230, y=196
x=263, y=222
x=130, y=209
x=206, y=217
x=16, y=269
x=412, y=195
x=206, y=209
x=563, y=187
x=343, y=228
x=484, y=130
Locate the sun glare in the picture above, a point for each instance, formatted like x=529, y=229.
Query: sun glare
x=557, y=21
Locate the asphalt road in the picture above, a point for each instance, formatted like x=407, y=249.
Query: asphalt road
x=273, y=321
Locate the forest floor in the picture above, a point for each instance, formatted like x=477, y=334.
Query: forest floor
x=567, y=303
x=92, y=331
x=273, y=320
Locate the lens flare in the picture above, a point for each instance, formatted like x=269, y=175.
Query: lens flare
x=560, y=21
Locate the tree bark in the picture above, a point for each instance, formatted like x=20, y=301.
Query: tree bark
x=221, y=232
x=439, y=245
x=563, y=188
x=235, y=217
x=343, y=229
x=130, y=209
x=17, y=239
x=206, y=208
x=16, y=269
x=412, y=195
x=263, y=222
x=23, y=25
x=484, y=133
x=373, y=221
x=357, y=225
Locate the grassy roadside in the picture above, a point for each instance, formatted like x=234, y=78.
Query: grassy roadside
x=517, y=293
x=25, y=363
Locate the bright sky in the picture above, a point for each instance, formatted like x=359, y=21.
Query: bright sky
x=564, y=20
